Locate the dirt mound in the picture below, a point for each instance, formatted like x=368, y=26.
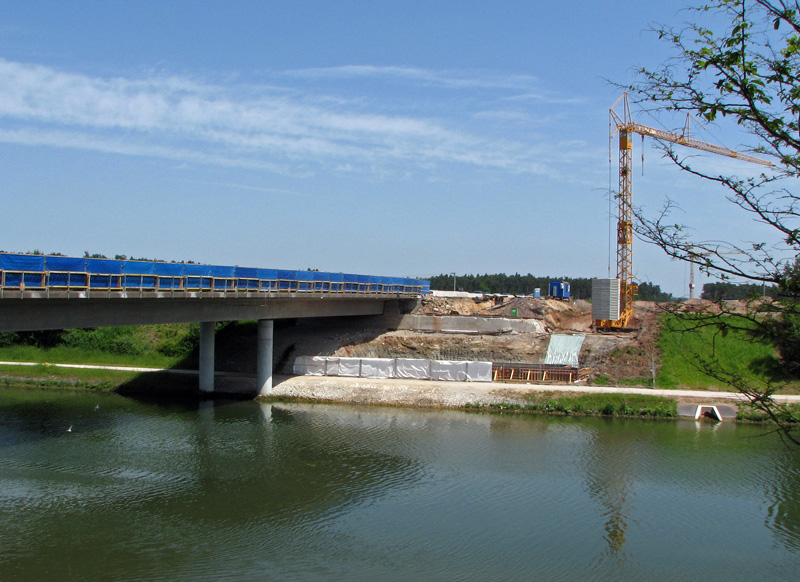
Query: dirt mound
x=575, y=316
x=454, y=305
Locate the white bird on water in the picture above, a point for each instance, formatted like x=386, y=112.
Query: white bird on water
x=69, y=429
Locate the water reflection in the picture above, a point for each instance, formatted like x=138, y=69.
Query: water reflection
x=240, y=490
x=608, y=477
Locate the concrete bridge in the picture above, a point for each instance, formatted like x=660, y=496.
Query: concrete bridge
x=52, y=292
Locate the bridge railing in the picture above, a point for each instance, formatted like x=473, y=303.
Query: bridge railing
x=58, y=273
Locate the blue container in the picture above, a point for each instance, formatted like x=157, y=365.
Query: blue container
x=559, y=289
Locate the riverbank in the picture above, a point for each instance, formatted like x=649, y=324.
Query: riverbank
x=538, y=398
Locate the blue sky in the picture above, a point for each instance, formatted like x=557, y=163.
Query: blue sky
x=389, y=138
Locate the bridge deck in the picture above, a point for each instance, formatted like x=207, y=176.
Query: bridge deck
x=53, y=292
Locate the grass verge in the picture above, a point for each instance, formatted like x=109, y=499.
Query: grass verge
x=734, y=352
x=627, y=405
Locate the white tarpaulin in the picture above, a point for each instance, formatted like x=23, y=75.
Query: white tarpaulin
x=300, y=365
x=564, y=349
x=350, y=367
x=377, y=368
x=479, y=371
x=331, y=366
x=412, y=368
x=446, y=370
x=394, y=368
x=310, y=366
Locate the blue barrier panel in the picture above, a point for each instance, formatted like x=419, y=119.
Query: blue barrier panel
x=169, y=269
x=223, y=276
x=21, y=262
x=66, y=279
x=246, y=278
x=100, y=281
x=169, y=282
x=139, y=281
x=350, y=282
x=139, y=274
x=104, y=266
x=138, y=268
x=65, y=271
x=170, y=275
x=337, y=281
x=322, y=281
x=69, y=264
x=223, y=271
x=287, y=280
x=246, y=273
x=22, y=270
x=102, y=271
x=197, y=276
x=268, y=279
x=195, y=270
x=12, y=262
x=34, y=279
x=304, y=280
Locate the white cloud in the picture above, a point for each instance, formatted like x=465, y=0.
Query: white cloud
x=266, y=128
x=448, y=79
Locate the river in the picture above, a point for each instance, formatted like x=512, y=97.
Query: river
x=227, y=490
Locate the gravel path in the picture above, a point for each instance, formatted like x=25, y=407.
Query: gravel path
x=456, y=394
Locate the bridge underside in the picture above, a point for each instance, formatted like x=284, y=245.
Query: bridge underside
x=27, y=312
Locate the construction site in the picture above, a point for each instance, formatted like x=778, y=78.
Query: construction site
x=617, y=334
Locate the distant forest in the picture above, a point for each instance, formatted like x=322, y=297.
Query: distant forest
x=516, y=284
x=723, y=291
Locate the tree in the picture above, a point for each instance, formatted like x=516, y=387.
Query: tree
x=747, y=72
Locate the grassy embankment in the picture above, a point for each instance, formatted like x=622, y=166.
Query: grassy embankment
x=629, y=405
x=151, y=346
x=755, y=363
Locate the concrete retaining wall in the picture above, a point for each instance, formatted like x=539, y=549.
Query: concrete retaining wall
x=469, y=324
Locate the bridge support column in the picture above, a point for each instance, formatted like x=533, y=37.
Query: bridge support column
x=207, y=356
x=264, y=356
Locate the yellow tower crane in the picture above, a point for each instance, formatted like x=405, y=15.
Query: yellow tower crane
x=625, y=127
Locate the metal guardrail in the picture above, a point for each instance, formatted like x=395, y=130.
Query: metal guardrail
x=67, y=281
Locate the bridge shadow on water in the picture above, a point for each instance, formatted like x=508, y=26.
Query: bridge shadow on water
x=235, y=358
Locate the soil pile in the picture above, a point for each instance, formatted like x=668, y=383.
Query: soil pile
x=351, y=339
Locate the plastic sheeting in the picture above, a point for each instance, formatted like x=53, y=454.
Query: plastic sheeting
x=377, y=368
x=409, y=368
x=22, y=262
x=350, y=367
x=452, y=371
x=564, y=349
x=479, y=371
x=412, y=368
x=309, y=366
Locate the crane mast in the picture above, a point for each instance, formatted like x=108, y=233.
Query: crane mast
x=625, y=126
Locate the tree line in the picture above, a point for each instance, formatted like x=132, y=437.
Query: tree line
x=516, y=284
x=725, y=291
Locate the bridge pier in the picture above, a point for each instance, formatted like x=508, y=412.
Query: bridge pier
x=264, y=356
x=207, y=356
